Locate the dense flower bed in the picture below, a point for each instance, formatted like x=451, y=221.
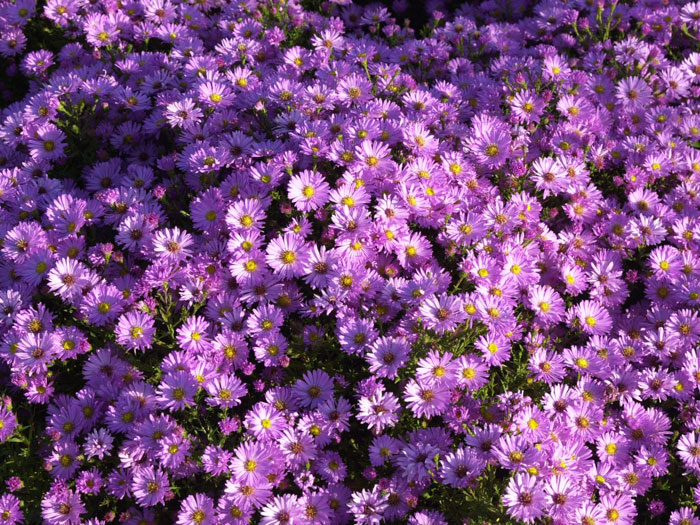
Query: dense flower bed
x=301, y=263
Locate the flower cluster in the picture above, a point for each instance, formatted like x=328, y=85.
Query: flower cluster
x=288, y=265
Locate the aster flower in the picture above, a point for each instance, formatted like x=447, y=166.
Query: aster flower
x=183, y=113
x=618, y=509
x=287, y=256
x=308, y=190
x=424, y=400
x=264, y=422
x=489, y=143
x=461, y=468
x=633, y=93
x=135, y=330
x=150, y=486
x=387, y=356
x=379, y=411
x=298, y=447
x=48, y=143
x=102, y=304
x=368, y=506
x=192, y=336
x=524, y=498
x=225, y=391
x=172, y=244
x=98, y=443
x=593, y=318
x=10, y=512
x=174, y=450
x=547, y=304
x=215, y=94
x=35, y=352
x=562, y=496
x=313, y=389
x=8, y=423
x=442, y=313
x=62, y=507
x=177, y=390
x=281, y=510
x=195, y=510
x=67, y=277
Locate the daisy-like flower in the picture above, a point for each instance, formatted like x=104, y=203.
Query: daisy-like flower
x=35, y=352
x=562, y=496
x=593, y=318
x=555, y=68
x=150, y=486
x=472, y=373
x=527, y=106
x=633, y=93
x=183, y=113
x=412, y=250
x=102, y=304
x=419, y=139
x=174, y=450
x=265, y=422
x=495, y=348
x=98, y=443
x=281, y=510
x=10, y=512
x=193, y=335
x=197, y=509
x=379, y=411
x=62, y=507
x=618, y=509
x=135, y=330
x=177, y=390
x=489, y=143
x=354, y=89
x=437, y=368
x=387, y=355
x=426, y=400
x=172, y=244
x=666, y=263
x=524, y=498
x=297, y=446
x=549, y=176
x=67, y=277
x=442, y=313
x=287, y=255
x=313, y=389
x=48, y=143
x=372, y=156
x=215, y=94
x=308, y=190
x=368, y=506
x=460, y=468
x=244, y=215
x=225, y=391
x=548, y=305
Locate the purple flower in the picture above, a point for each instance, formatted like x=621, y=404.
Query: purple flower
x=524, y=498
x=135, y=330
x=177, y=390
x=287, y=255
x=196, y=509
x=63, y=507
x=150, y=486
x=308, y=190
x=10, y=512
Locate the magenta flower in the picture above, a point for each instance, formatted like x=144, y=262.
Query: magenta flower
x=135, y=330
x=150, y=486
x=524, y=498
